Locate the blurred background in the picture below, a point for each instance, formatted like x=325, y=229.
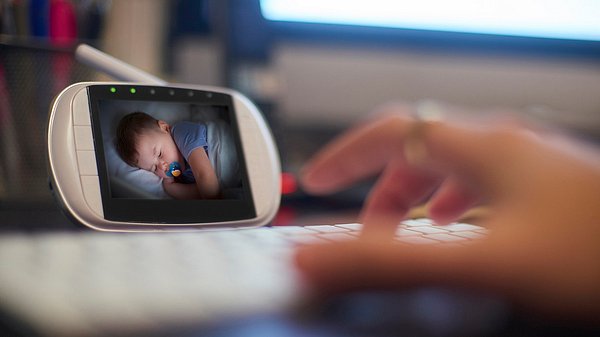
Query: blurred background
x=314, y=68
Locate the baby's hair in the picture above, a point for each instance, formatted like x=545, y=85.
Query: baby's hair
x=128, y=131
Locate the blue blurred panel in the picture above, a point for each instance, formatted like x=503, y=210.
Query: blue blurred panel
x=572, y=20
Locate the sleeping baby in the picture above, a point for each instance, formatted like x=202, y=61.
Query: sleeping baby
x=177, y=153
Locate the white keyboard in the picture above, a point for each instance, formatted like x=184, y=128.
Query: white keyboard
x=93, y=283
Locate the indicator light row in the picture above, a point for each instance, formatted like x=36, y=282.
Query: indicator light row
x=131, y=90
x=153, y=91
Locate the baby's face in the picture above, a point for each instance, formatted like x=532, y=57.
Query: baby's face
x=156, y=150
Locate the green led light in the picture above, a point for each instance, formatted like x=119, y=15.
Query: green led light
x=132, y=90
x=113, y=89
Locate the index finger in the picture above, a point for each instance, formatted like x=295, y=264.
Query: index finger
x=358, y=154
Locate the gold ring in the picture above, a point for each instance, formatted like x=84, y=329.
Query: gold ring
x=415, y=149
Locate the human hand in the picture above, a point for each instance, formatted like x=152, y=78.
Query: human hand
x=542, y=191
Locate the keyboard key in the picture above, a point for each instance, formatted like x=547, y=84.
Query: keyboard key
x=406, y=232
x=417, y=222
x=417, y=240
x=459, y=227
x=469, y=235
x=351, y=226
x=428, y=229
x=328, y=229
x=444, y=237
x=412, y=223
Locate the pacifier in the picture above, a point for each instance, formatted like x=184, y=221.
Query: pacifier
x=174, y=170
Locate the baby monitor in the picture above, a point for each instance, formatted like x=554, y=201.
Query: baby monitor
x=99, y=189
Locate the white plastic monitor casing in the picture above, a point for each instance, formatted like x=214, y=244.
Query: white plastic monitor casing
x=74, y=175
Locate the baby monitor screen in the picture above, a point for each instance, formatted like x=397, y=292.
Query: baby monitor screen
x=168, y=155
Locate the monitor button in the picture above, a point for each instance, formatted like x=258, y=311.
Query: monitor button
x=83, y=138
x=91, y=193
x=87, y=163
x=81, y=108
